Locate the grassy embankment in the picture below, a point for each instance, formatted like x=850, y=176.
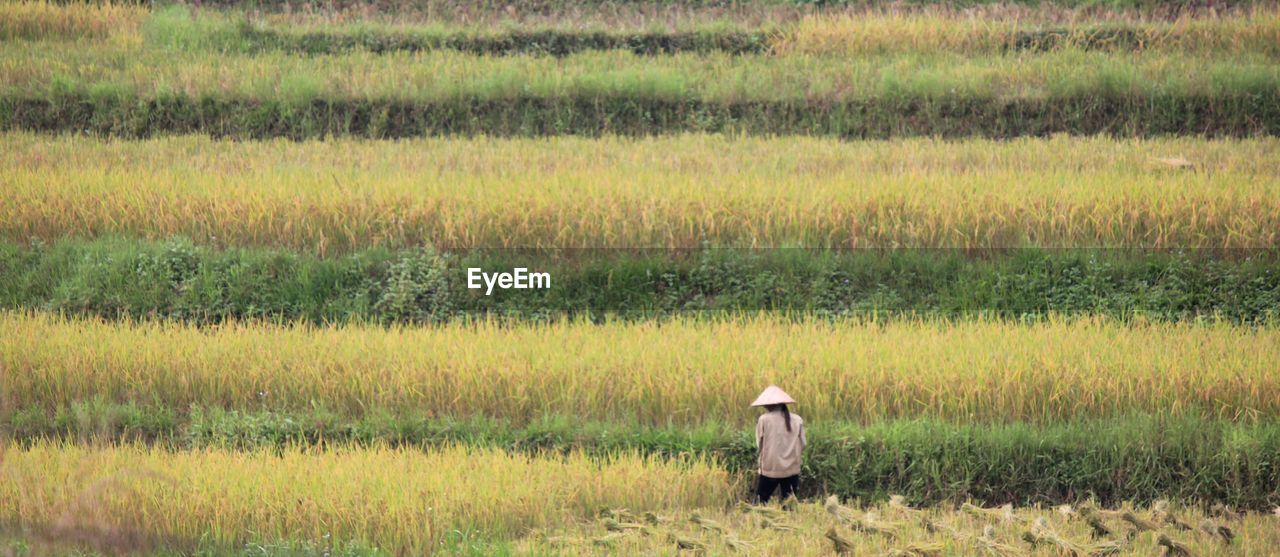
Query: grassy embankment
x=178, y=280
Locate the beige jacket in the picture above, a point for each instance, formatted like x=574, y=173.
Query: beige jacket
x=779, y=449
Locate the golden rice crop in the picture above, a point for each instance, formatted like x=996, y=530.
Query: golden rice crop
x=948, y=531
x=339, y=195
x=43, y=19
x=705, y=371
x=402, y=500
x=432, y=16
x=849, y=34
x=829, y=31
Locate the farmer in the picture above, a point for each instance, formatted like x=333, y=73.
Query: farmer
x=780, y=439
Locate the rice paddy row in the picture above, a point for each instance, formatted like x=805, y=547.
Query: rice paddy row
x=897, y=529
x=37, y=69
x=130, y=498
x=127, y=498
x=135, y=92
x=853, y=76
x=687, y=191
x=1132, y=458
x=869, y=34
x=831, y=31
x=970, y=371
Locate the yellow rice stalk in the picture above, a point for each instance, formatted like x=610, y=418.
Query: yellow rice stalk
x=853, y=34
x=989, y=545
x=401, y=499
x=43, y=19
x=973, y=370
x=1221, y=510
x=607, y=540
x=1004, y=513
x=776, y=525
x=686, y=544
x=1099, y=528
x=871, y=523
x=1217, y=531
x=840, y=512
x=840, y=544
x=1173, y=548
x=809, y=537
x=846, y=34
x=737, y=544
x=1161, y=513
x=1140, y=524
x=763, y=510
x=918, y=550
x=706, y=524
x=680, y=191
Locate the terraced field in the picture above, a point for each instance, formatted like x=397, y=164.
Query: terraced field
x=670, y=192
x=1017, y=262
x=383, y=505
x=970, y=371
x=172, y=72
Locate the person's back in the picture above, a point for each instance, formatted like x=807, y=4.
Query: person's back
x=780, y=449
x=780, y=439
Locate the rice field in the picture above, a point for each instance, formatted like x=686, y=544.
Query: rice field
x=978, y=371
x=848, y=75
x=105, y=71
x=338, y=196
x=843, y=73
x=405, y=501
x=869, y=34
x=39, y=20
x=898, y=529
x=178, y=184
x=396, y=502
x=780, y=31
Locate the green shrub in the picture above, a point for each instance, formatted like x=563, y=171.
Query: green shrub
x=416, y=289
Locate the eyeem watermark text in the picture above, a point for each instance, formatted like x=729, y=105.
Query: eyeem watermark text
x=519, y=278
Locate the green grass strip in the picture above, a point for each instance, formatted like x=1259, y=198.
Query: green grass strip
x=179, y=280
x=555, y=42
x=631, y=114
x=549, y=42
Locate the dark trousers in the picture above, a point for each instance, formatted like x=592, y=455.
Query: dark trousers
x=765, y=486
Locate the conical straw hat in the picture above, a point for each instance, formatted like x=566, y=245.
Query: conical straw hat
x=773, y=395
